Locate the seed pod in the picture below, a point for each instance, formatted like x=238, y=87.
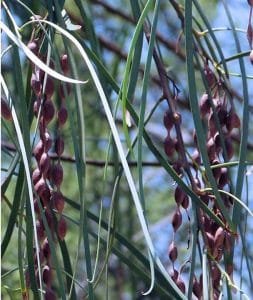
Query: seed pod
x=185, y=203
x=169, y=146
x=57, y=174
x=64, y=63
x=58, y=201
x=35, y=84
x=180, y=284
x=228, y=242
x=172, y=252
x=5, y=110
x=196, y=288
x=36, y=107
x=219, y=237
x=40, y=187
x=229, y=148
x=59, y=146
x=62, y=115
x=33, y=46
x=47, y=141
x=38, y=150
x=212, y=125
x=177, y=166
x=44, y=163
x=232, y=121
x=251, y=57
x=40, y=230
x=222, y=115
x=62, y=228
x=168, y=120
x=210, y=240
x=204, y=105
x=174, y=275
x=45, y=196
x=49, y=87
x=47, y=275
x=205, y=198
x=250, y=34
x=36, y=176
x=48, y=111
x=46, y=249
x=177, y=220
x=179, y=195
x=216, y=171
x=223, y=178
x=50, y=294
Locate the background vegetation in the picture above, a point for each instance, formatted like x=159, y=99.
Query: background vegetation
x=174, y=219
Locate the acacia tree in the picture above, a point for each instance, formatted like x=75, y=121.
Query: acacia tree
x=126, y=150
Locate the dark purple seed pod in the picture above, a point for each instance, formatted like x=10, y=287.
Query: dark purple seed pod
x=168, y=120
x=229, y=148
x=48, y=111
x=212, y=125
x=177, y=166
x=177, y=220
x=222, y=115
x=36, y=206
x=57, y=174
x=64, y=63
x=38, y=150
x=59, y=146
x=5, y=110
x=174, y=275
x=47, y=275
x=45, y=196
x=35, y=84
x=250, y=34
x=44, y=163
x=251, y=57
x=169, y=146
x=223, y=178
x=180, y=284
x=40, y=230
x=50, y=294
x=46, y=249
x=62, y=115
x=179, y=195
x=36, y=176
x=185, y=203
x=47, y=141
x=196, y=288
x=204, y=105
x=232, y=121
x=62, y=228
x=172, y=252
x=40, y=187
x=49, y=87
x=219, y=237
x=33, y=46
x=58, y=201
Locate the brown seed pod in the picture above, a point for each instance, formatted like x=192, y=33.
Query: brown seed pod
x=177, y=220
x=49, y=294
x=40, y=187
x=48, y=111
x=64, y=63
x=5, y=110
x=172, y=252
x=47, y=275
x=59, y=145
x=58, y=201
x=204, y=105
x=57, y=174
x=36, y=175
x=62, y=115
x=40, y=230
x=168, y=120
x=62, y=228
x=44, y=163
x=38, y=150
x=232, y=121
x=185, y=202
x=46, y=249
x=196, y=288
x=180, y=284
x=169, y=146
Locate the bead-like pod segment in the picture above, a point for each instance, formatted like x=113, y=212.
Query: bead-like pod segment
x=48, y=111
x=172, y=252
x=59, y=145
x=62, y=115
x=169, y=146
x=58, y=201
x=62, y=228
x=57, y=174
x=177, y=220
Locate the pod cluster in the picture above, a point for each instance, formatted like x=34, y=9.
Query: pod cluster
x=220, y=120
x=47, y=177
